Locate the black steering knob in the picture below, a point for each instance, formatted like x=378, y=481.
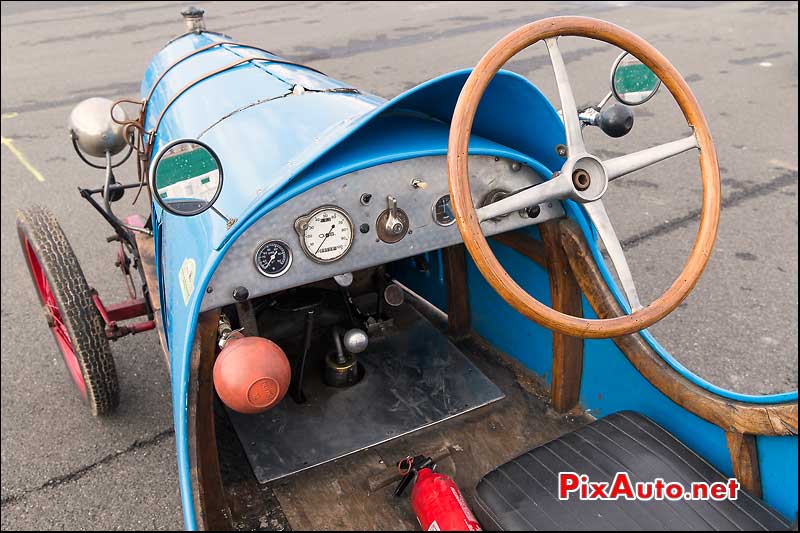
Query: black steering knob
x=616, y=120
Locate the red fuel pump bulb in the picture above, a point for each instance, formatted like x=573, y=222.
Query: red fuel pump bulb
x=435, y=498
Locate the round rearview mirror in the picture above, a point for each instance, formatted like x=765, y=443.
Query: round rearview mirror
x=632, y=82
x=186, y=178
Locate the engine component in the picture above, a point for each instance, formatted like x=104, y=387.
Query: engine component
x=355, y=341
x=341, y=367
x=392, y=224
x=251, y=374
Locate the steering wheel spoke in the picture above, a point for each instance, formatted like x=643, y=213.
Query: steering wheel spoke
x=569, y=110
x=583, y=178
x=597, y=213
x=620, y=166
x=556, y=188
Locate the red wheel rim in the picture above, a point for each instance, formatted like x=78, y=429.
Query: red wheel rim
x=57, y=327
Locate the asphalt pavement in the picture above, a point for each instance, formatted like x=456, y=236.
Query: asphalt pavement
x=62, y=469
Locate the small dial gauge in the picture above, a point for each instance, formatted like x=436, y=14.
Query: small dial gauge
x=326, y=233
x=273, y=258
x=443, y=211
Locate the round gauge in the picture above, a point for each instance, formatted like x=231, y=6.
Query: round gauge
x=443, y=211
x=273, y=258
x=326, y=233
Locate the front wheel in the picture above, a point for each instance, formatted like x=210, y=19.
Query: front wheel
x=69, y=310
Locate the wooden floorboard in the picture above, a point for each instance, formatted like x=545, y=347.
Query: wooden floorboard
x=337, y=496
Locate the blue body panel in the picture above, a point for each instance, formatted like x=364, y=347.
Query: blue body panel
x=286, y=144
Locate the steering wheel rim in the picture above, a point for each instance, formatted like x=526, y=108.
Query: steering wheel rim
x=467, y=217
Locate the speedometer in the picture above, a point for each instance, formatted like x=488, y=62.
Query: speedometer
x=326, y=234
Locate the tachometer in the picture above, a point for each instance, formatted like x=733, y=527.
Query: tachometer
x=326, y=234
x=273, y=258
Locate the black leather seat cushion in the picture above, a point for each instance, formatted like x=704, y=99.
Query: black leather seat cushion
x=522, y=494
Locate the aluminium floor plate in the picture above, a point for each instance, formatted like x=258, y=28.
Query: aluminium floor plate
x=415, y=377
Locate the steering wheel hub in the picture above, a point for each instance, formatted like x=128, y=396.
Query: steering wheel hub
x=589, y=179
x=583, y=178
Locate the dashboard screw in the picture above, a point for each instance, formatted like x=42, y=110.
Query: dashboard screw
x=561, y=150
x=366, y=198
x=364, y=228
x=209, y=289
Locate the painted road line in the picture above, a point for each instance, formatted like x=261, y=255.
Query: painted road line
x=9, y=143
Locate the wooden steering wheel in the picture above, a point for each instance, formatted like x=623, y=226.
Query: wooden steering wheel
x=583, y=178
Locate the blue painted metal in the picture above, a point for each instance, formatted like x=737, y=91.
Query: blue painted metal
x=284, y=145
x=777, y=459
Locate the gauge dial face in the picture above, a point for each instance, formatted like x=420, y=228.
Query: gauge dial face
x=326, y=234
x=443, y=211
x=273, y=258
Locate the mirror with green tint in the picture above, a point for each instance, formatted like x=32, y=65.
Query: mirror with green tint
x=632, y=82
x=187, y=178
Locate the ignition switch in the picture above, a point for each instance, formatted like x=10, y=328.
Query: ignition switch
x=392, y=224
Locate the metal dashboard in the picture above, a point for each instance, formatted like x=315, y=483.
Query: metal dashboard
x=416, y=184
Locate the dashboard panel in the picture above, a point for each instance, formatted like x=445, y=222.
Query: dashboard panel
x=364, y=219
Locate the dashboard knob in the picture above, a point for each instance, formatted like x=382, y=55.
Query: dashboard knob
x=355, y=341
x=392, y=224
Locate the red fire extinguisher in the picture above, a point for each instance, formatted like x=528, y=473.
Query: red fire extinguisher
x=435, y=498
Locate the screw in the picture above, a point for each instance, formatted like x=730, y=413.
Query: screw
x=561, y=150
x=533, y=211
x=516, y=166
x=366, y=198
x=364, y=228
x=209, y=289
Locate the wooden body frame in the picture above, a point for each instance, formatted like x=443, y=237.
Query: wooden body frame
x=741, y=421
x=566, y=255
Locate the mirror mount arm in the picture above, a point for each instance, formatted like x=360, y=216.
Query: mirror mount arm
x=229, y=222
x=591, y=115
x=604, y=101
